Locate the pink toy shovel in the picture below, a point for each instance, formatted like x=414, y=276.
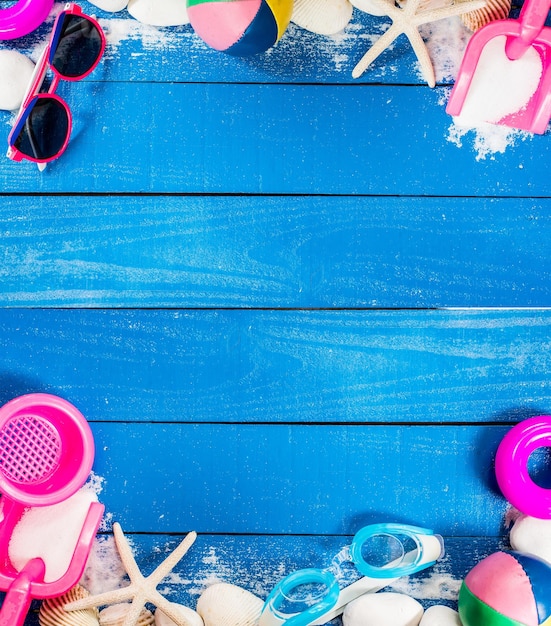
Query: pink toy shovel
x=525, y=34
x=46, y=454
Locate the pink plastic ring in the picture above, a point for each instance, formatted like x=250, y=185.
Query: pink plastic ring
x=23, y=17
x=511, y=466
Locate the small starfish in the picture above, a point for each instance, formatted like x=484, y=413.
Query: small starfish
x=141, y=589
x=407, y=21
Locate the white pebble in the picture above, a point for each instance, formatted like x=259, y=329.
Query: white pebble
x=189, y=616
x=159, y=12
x=383, y=609
x=440, y=615
x=15, y=74
x=533, y=536
x=110, y=5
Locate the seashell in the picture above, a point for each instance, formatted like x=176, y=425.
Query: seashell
x=324, y=17
x=52, y=613
x=533, y=536
x=159, y=12
x=223, y=604
x=115, y=615
x=383, y=609
x=189, y=616
x=110, y=5
x=494, y=10
x=15, y=73
x=368, y=6
x=440, y=615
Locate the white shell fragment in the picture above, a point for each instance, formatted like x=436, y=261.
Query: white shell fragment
x=191, y=617
x=440, y=615
x=533, y=536
x=383, y=609
x=324, y=17
x=368, y=7
x=115, y=615
x=15, y=74
x=52, y=613
x=223, y=604
x=112, y=6
x=159, y=12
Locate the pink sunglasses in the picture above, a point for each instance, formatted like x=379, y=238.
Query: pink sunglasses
x=42, y=128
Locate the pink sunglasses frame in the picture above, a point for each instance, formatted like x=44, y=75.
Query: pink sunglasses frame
x=32, y=94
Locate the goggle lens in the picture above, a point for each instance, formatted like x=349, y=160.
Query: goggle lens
x=43, y=132
x=79, y=46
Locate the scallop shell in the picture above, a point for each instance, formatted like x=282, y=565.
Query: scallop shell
x=223, y=604
x=323, y=17
x=115, y=615
x=189, y=616
x=494, y=10
x=52, y=613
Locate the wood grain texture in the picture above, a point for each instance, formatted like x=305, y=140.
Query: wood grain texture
x=292, y=479
x=273, y=139
x=283, y=366
x=269, y=251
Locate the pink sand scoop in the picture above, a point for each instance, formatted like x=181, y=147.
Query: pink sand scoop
x=46, y=455
x=527, y=33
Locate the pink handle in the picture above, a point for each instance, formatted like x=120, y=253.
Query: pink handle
x=18, y=597
x=532, y=19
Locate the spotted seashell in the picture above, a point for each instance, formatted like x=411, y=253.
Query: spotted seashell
x=52, y=613
x=494, y=10
x=115, y=615
x=223, y=604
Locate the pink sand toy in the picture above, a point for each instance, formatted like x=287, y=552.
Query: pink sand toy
x=46, y=455
x=23, y=17
x=522, y=34
x=511, y=466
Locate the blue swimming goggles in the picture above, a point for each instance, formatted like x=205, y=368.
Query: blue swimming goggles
x=382, y=553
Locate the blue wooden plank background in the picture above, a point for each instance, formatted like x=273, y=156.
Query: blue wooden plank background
x=288, y=301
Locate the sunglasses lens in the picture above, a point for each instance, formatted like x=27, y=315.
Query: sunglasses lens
x=79, y=46
x=43, y=133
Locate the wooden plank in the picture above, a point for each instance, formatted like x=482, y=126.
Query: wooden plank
x=287, y=366
x=183, y=251
x=293, y=479
x=274, y=139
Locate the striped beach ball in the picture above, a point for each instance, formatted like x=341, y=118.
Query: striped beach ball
x=507, y=589
x=240, y=27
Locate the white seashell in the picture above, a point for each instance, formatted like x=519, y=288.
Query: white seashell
x=440, y=615
x=223, y=604
x=533, y=536
x=159, y=12
x=110, y=5
x=115, y=615
x=367, y=6
x=383, y=609
x=189, y=616
x=52, y=613
x=494, y=10
x=324, y=17
x=15, y=74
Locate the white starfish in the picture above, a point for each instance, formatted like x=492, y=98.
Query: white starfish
x=407, y=21
x=141, y=589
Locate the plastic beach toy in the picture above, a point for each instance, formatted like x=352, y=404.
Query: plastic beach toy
x=23, y=17
x=46, y=454
x=511, y=466
x=528, y=34
x=381, y=552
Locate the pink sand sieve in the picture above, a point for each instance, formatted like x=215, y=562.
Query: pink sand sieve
x=46, y=449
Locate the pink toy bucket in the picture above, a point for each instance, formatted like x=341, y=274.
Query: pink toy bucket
x=46, y=449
